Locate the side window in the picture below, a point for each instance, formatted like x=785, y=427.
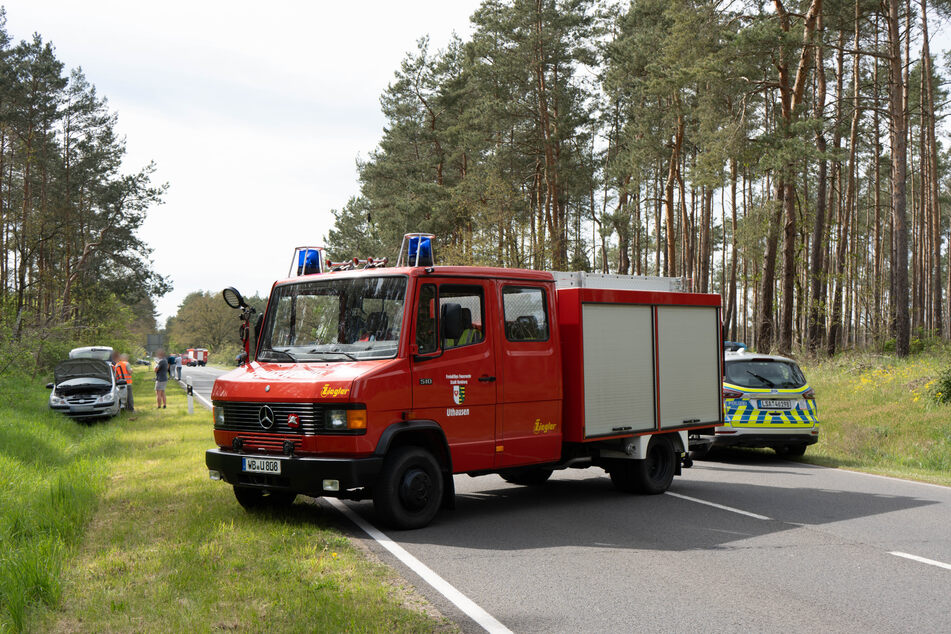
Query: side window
x=426, y=341
x=526, y=313
x=462, y=311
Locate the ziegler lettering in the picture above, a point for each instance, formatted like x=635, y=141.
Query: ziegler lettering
x=334, y=392
x=543, y=428
x=457, y=412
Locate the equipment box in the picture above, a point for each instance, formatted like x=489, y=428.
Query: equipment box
x=637, y=361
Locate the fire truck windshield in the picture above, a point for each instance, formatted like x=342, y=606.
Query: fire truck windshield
x=342, y=319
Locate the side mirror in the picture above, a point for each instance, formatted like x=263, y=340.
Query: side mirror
x=50, y=386
x=233, y=297
x=121, y=382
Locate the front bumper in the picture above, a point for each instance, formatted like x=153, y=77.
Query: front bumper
x=91, y=411
x=300, y=474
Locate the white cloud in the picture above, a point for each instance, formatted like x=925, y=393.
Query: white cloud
x=254, y=113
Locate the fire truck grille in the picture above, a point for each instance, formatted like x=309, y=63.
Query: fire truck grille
x=247, y=417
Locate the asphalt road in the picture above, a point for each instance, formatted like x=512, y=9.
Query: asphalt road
x=813, y=554
x=203, y=379
x=744, y=542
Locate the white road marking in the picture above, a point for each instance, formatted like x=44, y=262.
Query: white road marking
x=461, y=601
x=924, y=560
x=718, y=506
x=885, y=477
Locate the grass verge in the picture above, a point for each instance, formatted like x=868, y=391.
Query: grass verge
x=877, y=415
x=166, y=549
x=52, y=471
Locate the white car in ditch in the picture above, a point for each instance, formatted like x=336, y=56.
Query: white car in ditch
x=86, y=389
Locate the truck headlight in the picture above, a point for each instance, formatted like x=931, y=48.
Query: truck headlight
x=337, y=419
x=219, y=415
x=345, y=419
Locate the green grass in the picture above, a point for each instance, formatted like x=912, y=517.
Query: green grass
x=52, y=471
x=877, y=414
x=143, y=541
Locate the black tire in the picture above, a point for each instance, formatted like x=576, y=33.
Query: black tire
x=652, y=475
x=791, y=451
x=409, y=490
x=261, y=499
x=527, y=476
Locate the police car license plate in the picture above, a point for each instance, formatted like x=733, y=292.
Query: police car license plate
x=260, y=465
x=775, y=404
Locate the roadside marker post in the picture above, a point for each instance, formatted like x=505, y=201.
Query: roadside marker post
x=189, y=390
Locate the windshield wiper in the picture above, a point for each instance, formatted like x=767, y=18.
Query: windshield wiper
x=346, y=354
x=277, y=353
x=761, y=378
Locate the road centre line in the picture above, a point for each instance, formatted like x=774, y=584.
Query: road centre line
x=923, y=560
x=457, y=598
x=718, y=506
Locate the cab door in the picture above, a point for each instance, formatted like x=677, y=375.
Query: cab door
x=454, y=367
x=530, y=376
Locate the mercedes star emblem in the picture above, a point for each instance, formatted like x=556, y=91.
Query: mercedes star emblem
x=266, y=417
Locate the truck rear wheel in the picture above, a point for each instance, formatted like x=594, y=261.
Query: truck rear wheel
x=652, y=475
x=527, y=476
x=409, y=489
x=260, y=499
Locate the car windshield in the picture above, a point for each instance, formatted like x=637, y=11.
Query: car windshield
x=764, y=373
x=342, y=319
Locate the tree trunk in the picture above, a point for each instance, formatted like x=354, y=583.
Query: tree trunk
x=897, y=111
x=817, y=273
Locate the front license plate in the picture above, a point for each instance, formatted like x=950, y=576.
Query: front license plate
x=775, y=404
x=260, y=465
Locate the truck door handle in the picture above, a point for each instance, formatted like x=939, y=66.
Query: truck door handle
x=487, y=379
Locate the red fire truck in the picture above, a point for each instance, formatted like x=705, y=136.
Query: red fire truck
x=382, y=383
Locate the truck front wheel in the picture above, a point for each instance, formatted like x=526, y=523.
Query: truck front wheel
x=652, y=475
x=409, y=489
x=260, y=499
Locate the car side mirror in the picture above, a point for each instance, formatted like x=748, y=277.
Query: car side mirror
x=50, y=386
x=121, y=382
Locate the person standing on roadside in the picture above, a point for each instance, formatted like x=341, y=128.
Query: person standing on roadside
x=161, y=378
x=122, y=366
x=121, y=375
x=178, y=367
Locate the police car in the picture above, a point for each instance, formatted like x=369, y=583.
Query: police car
x=766, y=403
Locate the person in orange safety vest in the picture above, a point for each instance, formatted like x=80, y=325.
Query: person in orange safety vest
x=121, y=366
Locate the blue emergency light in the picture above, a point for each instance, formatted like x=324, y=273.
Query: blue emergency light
x=417, y=250
x=421, y=251
x=307, y=261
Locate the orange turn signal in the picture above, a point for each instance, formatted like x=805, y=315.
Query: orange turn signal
x=356, y=419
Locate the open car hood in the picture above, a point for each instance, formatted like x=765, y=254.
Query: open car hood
x=82, y=368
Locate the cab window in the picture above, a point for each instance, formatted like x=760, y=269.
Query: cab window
x=426, y=340
x=462, y=315
x=526, y=313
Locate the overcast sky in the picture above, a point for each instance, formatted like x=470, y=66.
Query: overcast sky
x=254, y=113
